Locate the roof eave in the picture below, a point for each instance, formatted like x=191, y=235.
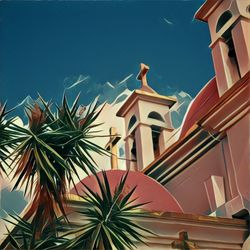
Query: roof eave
x=206, y=10
x=137, y=94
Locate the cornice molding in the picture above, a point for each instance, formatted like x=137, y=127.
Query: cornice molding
x=231, y=107
x=144, y=96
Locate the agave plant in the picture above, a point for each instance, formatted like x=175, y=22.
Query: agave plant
x=48, y=154
x=23, y=236
x=108, y=218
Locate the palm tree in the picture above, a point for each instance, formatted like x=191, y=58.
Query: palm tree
x=45, y=159
x=107, y=223
x=47, y=154
x=108, y=218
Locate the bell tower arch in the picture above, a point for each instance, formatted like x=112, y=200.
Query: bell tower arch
x=229, y=25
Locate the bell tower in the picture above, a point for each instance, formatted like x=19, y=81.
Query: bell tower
x=229, y=25
x=148, y=123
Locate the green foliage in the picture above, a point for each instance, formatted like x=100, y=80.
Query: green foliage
x=23, y=236
x=48, y=154
x=108, y=218
x=7, y=140
x=44, y=158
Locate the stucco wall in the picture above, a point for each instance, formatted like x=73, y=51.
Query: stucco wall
x=189, y=188
x=238, y=138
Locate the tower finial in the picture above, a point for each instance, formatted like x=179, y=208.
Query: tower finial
x=142, y=76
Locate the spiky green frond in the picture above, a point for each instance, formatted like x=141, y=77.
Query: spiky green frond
x=49, y=153
x=108, y=218
x=23, y=236
x=7, y=138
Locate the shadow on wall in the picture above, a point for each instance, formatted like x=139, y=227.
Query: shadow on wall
x=11, y=202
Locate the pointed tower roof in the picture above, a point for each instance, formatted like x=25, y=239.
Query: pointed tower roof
x=146, y=93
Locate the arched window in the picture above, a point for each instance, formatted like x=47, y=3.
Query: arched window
x=156, y=116
x=132, y=122
x=155, y=137
x=228, y=39
x=223, y=19
x=133, y=150
x=248, y=9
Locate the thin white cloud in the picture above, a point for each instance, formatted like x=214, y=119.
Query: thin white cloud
x=24, y=101
x=110, y=85
x=125, y=79
x=167, y=21
x=80, y=79
x=184, y=94
x=176, y=107
x=107, y=91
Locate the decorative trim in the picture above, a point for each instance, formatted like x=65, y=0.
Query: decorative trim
x=181, y=147
x=144, y=96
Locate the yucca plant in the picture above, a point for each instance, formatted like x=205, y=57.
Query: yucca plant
x=108, y=218
x=48, y=154
x=23, y=236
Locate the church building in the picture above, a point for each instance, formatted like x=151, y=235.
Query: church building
x=197, y=177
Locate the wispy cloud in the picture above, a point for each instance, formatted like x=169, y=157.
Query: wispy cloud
x=125, y=79
x=176, y=107
x=80, y=80
x=184, y=94
x=23, y=102
x=178, y=111
x=110, y=85
x=167, y=21
x=107, y=91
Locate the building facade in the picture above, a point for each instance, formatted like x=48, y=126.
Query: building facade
x=197, y=176
x=203, y=165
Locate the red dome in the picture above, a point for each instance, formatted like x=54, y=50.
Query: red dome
x=202, y=103
x=148, y=190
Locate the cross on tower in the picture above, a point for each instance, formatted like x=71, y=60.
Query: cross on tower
x=183, y=242
x=112, y=147
x=142, y=76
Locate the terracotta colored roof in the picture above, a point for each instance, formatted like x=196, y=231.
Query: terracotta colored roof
x=148, y=190
x=206, y=9
x=202, y=103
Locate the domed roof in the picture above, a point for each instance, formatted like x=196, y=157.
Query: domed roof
x=202, y=103
x=148, y=190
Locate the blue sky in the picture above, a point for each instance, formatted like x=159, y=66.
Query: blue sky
x=47, y=45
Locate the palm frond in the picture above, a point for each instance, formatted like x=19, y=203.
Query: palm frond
x=24, y=232
x=49, y=152
x=109, y=218
x=7, y=138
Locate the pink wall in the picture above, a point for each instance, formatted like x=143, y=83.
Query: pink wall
x=230, y=160
x=238, y=138
x=189, y=188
